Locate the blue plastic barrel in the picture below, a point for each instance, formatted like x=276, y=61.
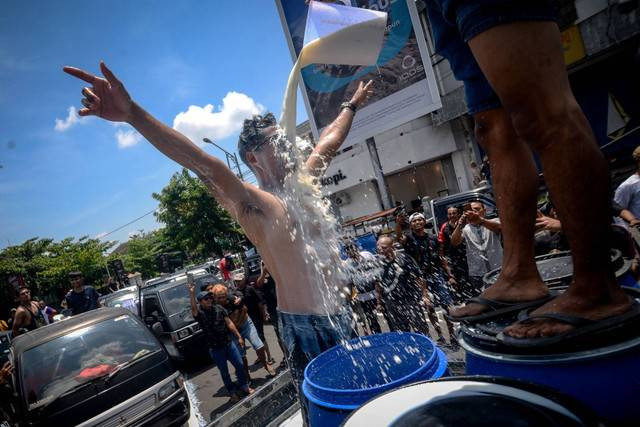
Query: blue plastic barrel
x=606, y=379
x=344, y=377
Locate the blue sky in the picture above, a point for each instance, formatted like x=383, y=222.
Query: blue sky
x=64, y=176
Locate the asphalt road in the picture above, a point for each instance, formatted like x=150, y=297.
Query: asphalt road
x=209, y=398
x=205, y=384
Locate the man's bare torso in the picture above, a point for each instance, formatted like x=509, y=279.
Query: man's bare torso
x=293, y=253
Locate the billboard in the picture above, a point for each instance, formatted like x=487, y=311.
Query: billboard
x=404, y=87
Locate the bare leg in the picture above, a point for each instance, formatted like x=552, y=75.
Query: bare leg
x=263, y=359
x=245, y=363
x=433, y=318
x=266, y=348
x=514, y=185
x=524, y=64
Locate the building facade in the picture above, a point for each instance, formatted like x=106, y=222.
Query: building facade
x=430, y=156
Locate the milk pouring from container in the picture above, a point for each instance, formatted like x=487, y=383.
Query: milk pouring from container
x=334, y=34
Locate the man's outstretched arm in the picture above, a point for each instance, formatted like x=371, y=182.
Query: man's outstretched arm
x=108, y=99
x=334, y=135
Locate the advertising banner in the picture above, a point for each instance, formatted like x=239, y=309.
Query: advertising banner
x=404, y=87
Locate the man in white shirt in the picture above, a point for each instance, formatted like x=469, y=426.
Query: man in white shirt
x=628, y=193
x=482, y=240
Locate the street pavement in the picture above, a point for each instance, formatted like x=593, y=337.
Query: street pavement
x=209, y=398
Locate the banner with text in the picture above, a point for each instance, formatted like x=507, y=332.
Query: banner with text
x=405, y=88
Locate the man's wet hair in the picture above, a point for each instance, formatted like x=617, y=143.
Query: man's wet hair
x=253, y=133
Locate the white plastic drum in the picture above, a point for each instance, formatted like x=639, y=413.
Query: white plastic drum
x=469, y=402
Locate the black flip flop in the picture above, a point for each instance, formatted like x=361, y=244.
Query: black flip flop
x=498, y=308
x=581, y=326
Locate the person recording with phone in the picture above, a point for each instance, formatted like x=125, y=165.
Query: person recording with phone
x=481, y=237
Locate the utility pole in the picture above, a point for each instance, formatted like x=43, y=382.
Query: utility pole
x=377, y=171
x=228, y=155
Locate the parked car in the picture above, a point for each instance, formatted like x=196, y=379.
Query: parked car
x=100, y=368
x=440, y=205
x=126, y=298
x=5, y=346
x=251, y=264
x=166, y=309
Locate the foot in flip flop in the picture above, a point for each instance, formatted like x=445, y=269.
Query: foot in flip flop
x=502, y=297
x=569, y=315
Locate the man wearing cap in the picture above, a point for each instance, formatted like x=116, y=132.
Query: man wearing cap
x=239, y=315
x=305, y=292
x=81, y=298
x=423, y=248
x=216, y=325
x=628, y=193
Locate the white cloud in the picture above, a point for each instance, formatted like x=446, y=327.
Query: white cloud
x=200, y=122
x=72, y=119
x=101, y=235
x=127, y=138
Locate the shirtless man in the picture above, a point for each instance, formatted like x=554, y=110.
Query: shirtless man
x=266, y=217
x=28, y=315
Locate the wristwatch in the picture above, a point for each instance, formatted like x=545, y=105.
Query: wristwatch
x=348, y=104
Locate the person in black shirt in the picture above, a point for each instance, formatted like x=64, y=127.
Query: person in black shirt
x=267, y=287
x=423, y=248
x=401, y=291
x=455, y=259
x=256, y=308
x=362, y=267
x=216, y=325
x=81, y=298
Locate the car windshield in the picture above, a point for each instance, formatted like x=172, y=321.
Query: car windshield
x=125, y=300
x=57, y=366
x=176, y=302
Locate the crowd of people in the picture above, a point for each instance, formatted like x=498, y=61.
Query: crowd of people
x=32, y=313
x=416, y=272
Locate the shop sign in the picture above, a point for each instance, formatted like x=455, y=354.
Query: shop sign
x=572, y=45
x=333, y=179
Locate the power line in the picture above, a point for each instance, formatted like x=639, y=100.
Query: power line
x=129, y=223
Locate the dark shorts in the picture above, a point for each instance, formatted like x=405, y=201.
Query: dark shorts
x=455, y=22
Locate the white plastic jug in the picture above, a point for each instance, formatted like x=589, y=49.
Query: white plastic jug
x=334, y=34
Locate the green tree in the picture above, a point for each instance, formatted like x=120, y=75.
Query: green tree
x=44, y=265
x=193, y=219
x=142, y=250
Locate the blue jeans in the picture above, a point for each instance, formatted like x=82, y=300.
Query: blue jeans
x=305, y=336
x=230, y=353
x=455, y=22
x=249, y=333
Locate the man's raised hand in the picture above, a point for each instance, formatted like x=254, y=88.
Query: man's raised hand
x=106, y=98
x=364, y=91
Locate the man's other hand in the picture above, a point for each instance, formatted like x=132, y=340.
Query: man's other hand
x=365, y=90
x=473, y=217
x=106, y=98
x=547, y=223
